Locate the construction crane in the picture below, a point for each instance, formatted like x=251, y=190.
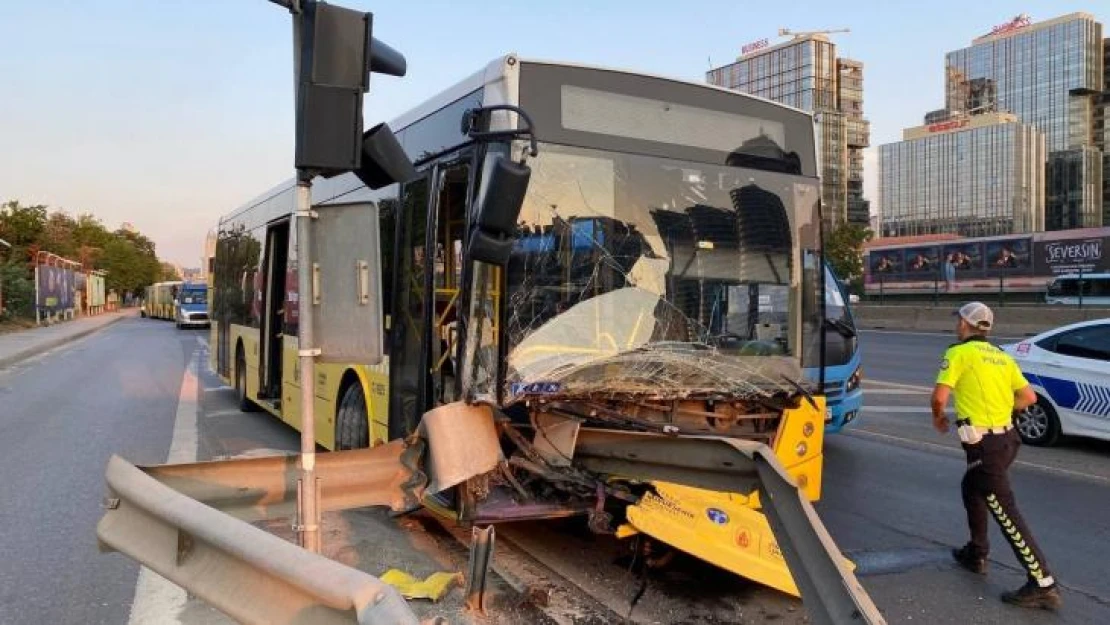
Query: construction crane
x=786, y=32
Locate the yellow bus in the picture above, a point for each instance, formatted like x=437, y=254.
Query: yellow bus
x=661, y=219
x=159, y=300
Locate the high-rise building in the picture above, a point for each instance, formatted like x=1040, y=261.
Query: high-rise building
x=979, y=175
x=1102, y=130
x=1052, y=75
x=805, y=73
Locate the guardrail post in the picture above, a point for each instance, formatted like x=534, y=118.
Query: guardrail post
x=481, y=552
x=1001, y=291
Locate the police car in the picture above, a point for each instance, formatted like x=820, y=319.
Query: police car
x=1069, y=368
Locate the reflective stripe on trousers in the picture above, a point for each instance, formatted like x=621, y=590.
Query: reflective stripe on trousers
x=986, y=490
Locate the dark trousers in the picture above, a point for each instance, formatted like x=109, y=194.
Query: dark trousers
x=986, y=491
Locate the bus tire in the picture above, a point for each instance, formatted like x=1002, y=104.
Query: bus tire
x=245, y=403
x=352, y=422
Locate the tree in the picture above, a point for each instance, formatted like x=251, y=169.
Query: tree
x=58, y=235
x=844, y=251
x=168, y=273
x=22, y=226
x=18, y=289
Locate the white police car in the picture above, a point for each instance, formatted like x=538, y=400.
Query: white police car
x=1069, y=368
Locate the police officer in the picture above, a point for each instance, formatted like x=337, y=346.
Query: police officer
x=989, y=388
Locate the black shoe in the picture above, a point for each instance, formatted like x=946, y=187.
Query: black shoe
x=1032, y=595
x=968, y=560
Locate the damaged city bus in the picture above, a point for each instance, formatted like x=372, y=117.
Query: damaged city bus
x=619, y=309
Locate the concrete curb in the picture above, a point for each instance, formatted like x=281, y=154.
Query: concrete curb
x=35, y=350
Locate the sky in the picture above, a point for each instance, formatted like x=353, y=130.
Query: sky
x=170, y=113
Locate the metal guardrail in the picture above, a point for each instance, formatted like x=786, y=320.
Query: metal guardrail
x=266, y=488
x=247, y=573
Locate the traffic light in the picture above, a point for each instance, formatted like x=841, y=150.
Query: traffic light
x=337, y=53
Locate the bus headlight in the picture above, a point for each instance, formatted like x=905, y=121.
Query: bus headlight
x=854, y=380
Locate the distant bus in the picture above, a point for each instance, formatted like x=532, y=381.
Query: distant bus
x=191, y=305
x=159, y=300
x=843, y=369
x=1090, y=289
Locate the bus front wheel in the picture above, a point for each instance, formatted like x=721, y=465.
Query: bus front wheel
x=352, y=425
x=245, y=404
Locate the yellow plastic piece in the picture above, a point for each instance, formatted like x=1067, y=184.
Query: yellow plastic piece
x=434, y=587
x=624, y=530
x=803, y=429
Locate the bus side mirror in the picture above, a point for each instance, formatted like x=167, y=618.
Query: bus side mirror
x=495, y=225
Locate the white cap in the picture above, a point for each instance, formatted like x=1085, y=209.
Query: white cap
x=977, y=314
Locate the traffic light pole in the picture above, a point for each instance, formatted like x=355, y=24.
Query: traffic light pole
x=307, y=525
x=308, y=489
x=338, y=53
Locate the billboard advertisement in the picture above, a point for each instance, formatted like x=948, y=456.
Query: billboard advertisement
x=1058, y=257
x=967, y=256
x=1025, y=263
x=54, y=288
x=923, y=263
x=1009, y=257
x=95, y=290
x=885, y=264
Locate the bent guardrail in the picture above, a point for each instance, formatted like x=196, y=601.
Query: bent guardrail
x=250, y=575
x=830, y=591
x=166, y=518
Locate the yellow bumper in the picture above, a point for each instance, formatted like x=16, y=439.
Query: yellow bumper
x=728, y=529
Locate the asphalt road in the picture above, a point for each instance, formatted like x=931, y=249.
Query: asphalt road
x=891, y=496
x=62, y=415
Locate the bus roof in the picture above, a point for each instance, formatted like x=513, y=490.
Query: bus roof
x=493, y=72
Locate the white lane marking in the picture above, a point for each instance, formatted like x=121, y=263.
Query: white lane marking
x=893, y=391
x=223, y=413
x=898, y=409
x=157, y=600
x=959, y=452
x=908, y=387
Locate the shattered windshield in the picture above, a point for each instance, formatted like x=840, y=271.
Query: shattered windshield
x=641, y=274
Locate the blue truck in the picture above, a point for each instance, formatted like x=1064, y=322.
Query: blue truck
x=191, y=305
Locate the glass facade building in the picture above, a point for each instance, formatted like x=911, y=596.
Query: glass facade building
x=1052, y=75
x=972, y=176
x=805, y=73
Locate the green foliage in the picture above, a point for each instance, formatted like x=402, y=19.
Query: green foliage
x=128, y=257
x=18, y=289
x=844, y=251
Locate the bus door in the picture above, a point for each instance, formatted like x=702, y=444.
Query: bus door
x=428, y=264
x=275, y=265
